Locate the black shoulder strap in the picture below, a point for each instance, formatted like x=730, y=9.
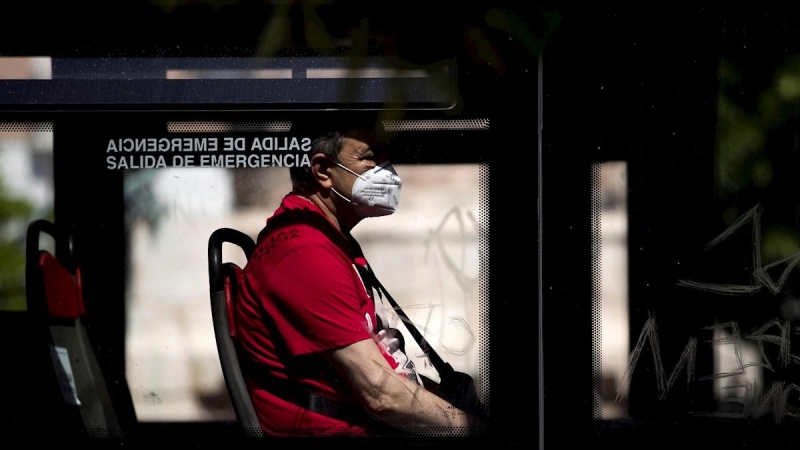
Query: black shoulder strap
x=455, y=387
x=439, y=364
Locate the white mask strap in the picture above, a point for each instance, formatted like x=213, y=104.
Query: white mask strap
x=340, y=195
x=345, y=168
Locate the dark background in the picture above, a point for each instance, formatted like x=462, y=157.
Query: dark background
x=671, y=91
x=639, y=84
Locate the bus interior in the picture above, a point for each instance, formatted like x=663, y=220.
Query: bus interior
x=128, y=143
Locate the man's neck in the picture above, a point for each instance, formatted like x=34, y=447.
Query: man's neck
x=328, y=207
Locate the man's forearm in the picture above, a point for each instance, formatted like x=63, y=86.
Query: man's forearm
x=404, y=404
x=392, y=398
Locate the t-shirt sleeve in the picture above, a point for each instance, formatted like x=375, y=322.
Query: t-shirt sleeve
x=315, y=302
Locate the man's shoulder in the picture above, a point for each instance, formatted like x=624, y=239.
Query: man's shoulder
x=302, y=232
x=289, y=236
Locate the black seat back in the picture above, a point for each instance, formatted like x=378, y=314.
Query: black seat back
x=56, y=307
x=224, y=280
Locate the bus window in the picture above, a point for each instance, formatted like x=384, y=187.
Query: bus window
x=172, y=360
x=26, y=194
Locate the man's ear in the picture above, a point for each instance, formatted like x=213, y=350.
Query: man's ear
x=321, y=169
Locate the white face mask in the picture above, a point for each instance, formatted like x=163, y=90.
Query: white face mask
x=376, y=192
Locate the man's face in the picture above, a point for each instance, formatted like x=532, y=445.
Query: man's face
x=357, y=156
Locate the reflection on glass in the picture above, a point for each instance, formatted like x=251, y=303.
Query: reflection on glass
x=26, y=68
x=613, y=276
x=333, y=72
x=229, y=74
x=733, y=384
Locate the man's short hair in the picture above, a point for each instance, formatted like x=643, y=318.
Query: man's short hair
x=330, y=145
x=329, y=142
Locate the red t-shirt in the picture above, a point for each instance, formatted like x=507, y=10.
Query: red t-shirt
x=301, y=294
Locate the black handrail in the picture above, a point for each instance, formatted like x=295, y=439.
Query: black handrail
x=215, y=242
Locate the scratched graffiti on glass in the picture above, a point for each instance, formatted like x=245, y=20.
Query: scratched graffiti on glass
x=740, y=359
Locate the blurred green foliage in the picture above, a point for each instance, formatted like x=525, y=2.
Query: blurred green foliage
x=14, y=217
x=758, y=145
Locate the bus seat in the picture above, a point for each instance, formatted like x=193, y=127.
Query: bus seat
x=224, y=280
x=56, y=308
